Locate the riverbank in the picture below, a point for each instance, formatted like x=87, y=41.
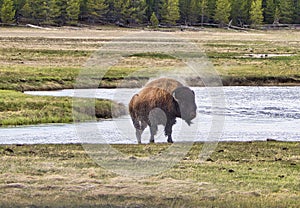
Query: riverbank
x=251, y=174
x=21, y=109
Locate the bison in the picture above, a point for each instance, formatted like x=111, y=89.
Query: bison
x=160, y=102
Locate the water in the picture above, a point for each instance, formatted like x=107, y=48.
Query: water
x=247, y=113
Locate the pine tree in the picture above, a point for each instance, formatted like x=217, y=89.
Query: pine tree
x=223, y=8
x=116, y=9
x=149, y=10
x=126, y=12
x=269, y=11
x=95, y=9
x=185, y=11
x=256, y=12
x=195, y=11
x=297, y=12
x=19, y=4
x=236, y=12
x=139, y=11
x=58, y=11
x=37, y=10
x=211, y=9
x=276, y=16
x=26, y=10
x=73, y=10
x=129, y=12
x=8, y=11
x=245, y=11
x=170, y=11
x=204, y=8
x=153, y=6
x=189, y=11
x=286, y=11
x=154, y=21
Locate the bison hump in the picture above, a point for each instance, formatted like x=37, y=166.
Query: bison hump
x=152, y=97
x=167, y=84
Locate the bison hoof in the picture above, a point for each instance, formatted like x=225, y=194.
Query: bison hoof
x=170, y=141
x=152, y=141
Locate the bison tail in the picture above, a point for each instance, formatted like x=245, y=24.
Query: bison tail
x=132, y=112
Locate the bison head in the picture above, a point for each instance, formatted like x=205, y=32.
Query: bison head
x=185, y=97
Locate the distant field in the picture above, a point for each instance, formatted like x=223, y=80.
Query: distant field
x=256, y=174
x=51, y=59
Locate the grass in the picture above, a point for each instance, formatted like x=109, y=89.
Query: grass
x=53, y=60
x=256, y=174
x=237, y=68
x=24, y=78
x=20, y=109
x=153, y=55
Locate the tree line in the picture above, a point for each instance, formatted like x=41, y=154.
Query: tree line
x=150, y=12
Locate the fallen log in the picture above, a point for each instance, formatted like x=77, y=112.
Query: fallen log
x=37, y=27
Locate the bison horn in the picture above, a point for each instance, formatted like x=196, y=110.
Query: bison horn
x=174, y=95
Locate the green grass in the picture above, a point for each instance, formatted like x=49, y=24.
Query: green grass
x=46, y=63
x=23, y=78
x=153, y=55
x=237, y=68
x=19, y=109
x=256, y=174
x=30, y=54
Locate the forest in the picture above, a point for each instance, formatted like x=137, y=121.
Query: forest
x=150, y=12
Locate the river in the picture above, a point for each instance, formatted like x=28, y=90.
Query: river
x=243, y=114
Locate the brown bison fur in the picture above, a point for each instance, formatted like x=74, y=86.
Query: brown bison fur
x=159, y=103
x=165, y=83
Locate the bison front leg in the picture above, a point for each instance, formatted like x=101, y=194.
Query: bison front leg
x=168, y=129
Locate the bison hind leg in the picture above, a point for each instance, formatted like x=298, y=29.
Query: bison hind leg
x=153, y=131
x=139, y=131
x=136, y=124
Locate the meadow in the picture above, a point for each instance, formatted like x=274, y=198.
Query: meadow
x=249, y=174
x=52, y=59
x=252, y=174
